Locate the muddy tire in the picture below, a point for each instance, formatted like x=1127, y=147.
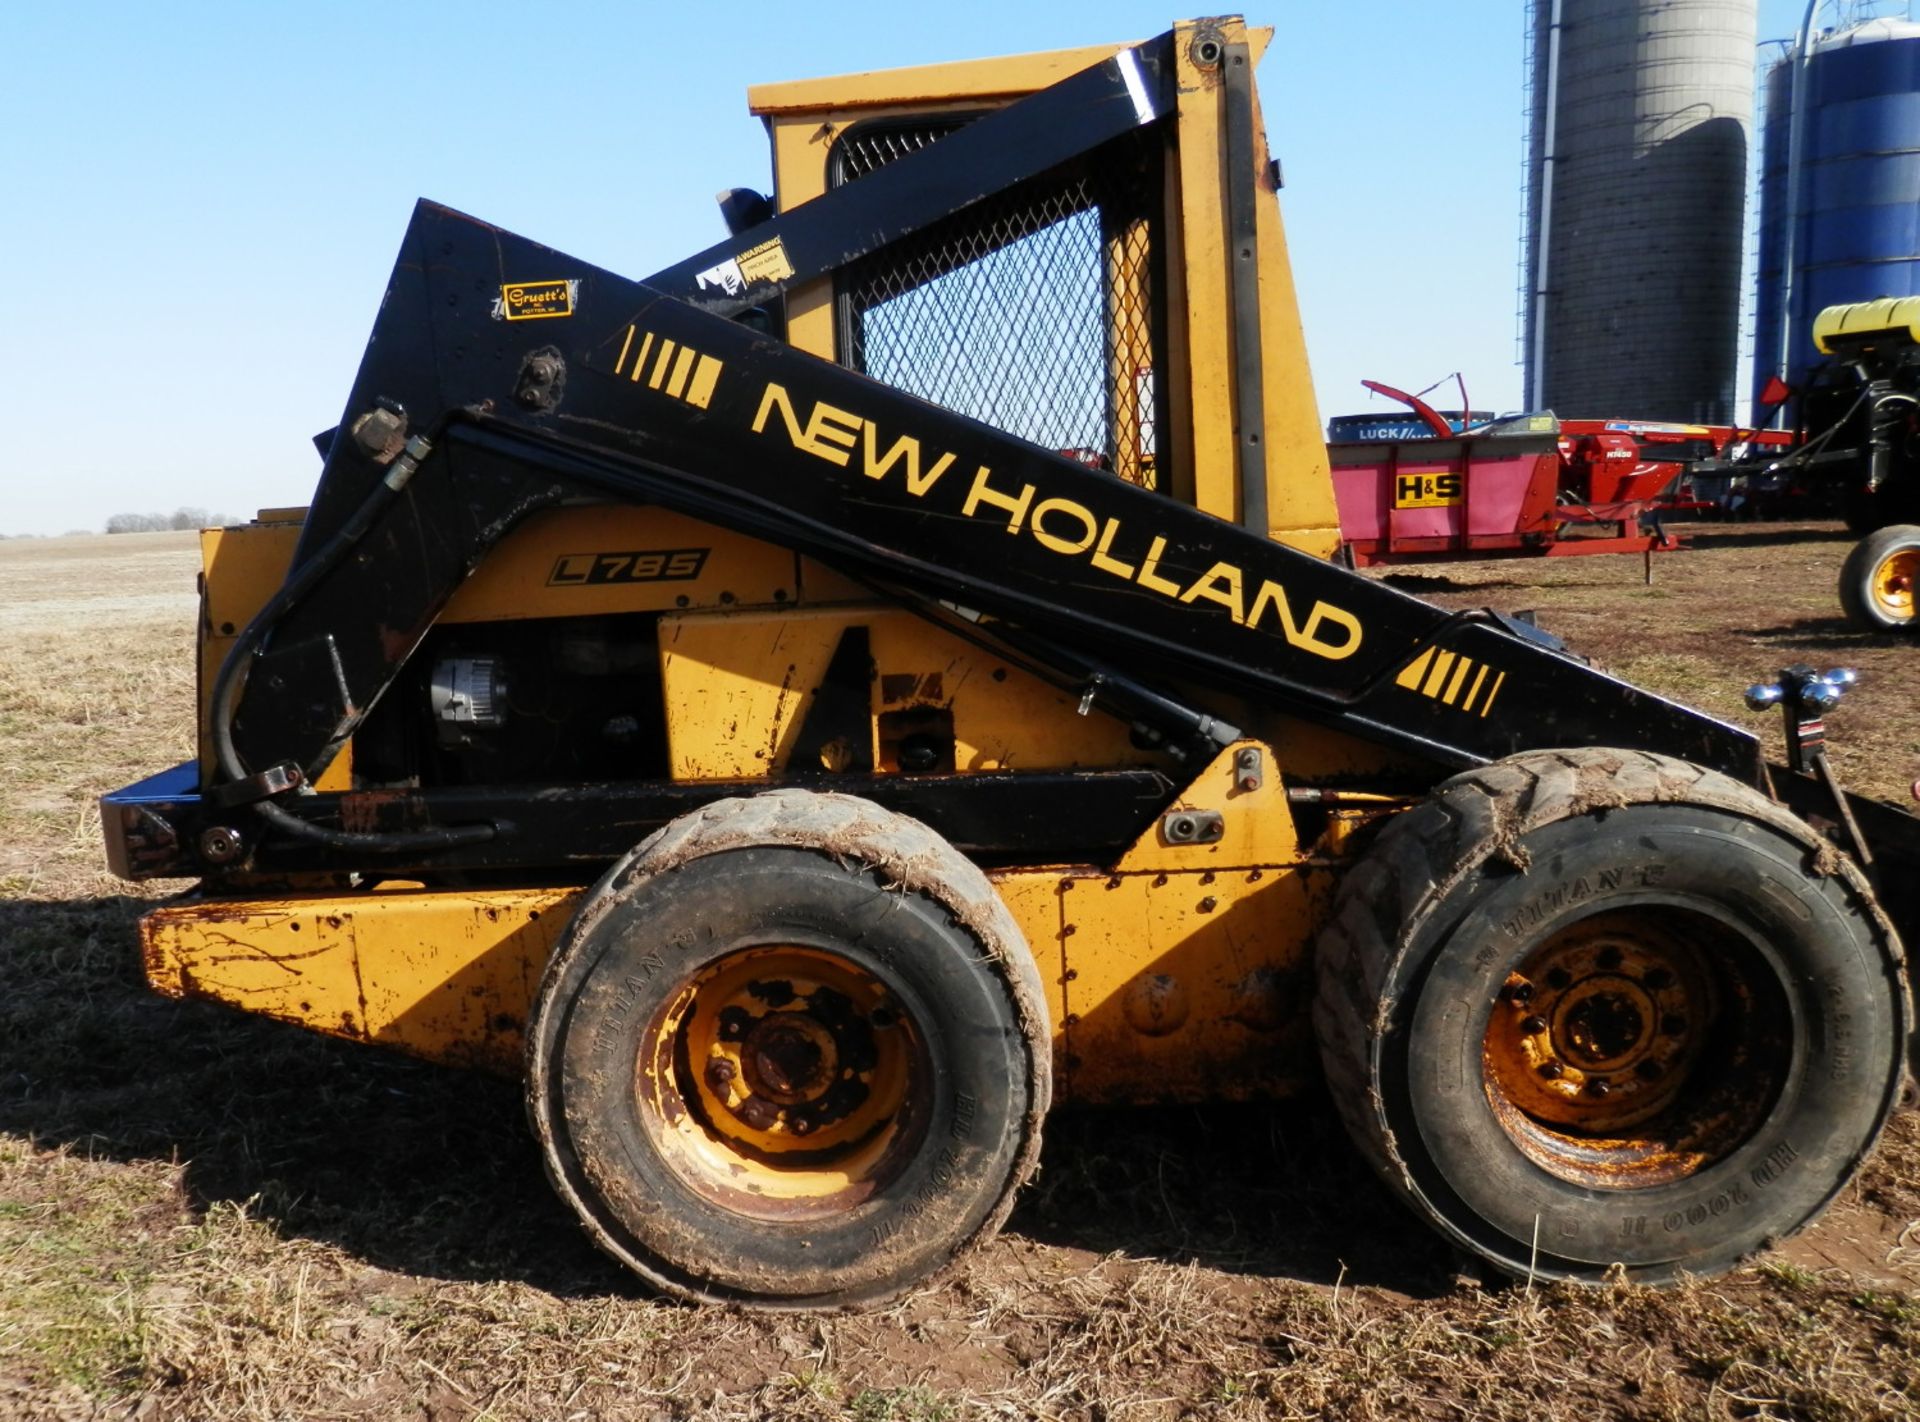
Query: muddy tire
x=1880, y=581
x=792, y=1053
x=1593, y=1008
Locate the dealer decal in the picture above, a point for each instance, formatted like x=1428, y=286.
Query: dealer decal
x=535, y=300
x=1427, y=489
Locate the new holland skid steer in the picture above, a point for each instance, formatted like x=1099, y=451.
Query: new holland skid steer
x=817, y=707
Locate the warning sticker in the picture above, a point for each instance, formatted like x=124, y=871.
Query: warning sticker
x=726, y=277
x=767, y=262
x=535, y=300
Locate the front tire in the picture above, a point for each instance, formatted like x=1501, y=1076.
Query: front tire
x=791, y=1053
x=1880, y=581
x=1596, y=1008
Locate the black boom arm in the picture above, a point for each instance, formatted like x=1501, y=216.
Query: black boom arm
x=618, y=392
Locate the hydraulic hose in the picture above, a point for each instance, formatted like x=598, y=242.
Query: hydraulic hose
x=227, y=684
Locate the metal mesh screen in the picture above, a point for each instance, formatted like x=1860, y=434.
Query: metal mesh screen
x=1031, y=311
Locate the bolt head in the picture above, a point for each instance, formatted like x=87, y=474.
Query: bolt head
x=1534, y=1025
x=1599, y=1087
x=1552, y=1071
x=222, y=844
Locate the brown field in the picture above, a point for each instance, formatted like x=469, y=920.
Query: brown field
x=204, y=1215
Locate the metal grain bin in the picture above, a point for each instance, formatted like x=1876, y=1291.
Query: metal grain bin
x=1636, y=203
x=1858, y=188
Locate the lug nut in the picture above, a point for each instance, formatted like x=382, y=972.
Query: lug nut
x=1534, y=1025
x=758, y=1112
x=1521, y=992
x=1559, y=978
x=1597, y=1087
x=1608, y=958
x=1552, y=1071
x=1658, y=980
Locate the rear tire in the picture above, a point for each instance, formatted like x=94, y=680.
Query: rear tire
x=1880, y=581
x=1597, y=1008
x=791, y=1053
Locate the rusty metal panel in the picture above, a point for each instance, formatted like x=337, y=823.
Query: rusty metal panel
x=1190, y=986
x=1243, y=788
x=738, y=685
x=447, y=975
x=607, y=558
x=1033, y=897
x=241, y=567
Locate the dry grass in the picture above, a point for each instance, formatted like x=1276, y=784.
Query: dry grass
x=204, y=1215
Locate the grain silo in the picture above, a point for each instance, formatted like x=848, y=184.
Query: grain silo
x=1847, y=226
x=1636, y=205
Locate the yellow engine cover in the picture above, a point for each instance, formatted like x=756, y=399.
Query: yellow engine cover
x=1893, y=319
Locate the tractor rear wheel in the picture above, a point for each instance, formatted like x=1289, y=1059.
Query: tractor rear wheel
x=792, y=1053
x=1597, y=1008
x=1880, y=581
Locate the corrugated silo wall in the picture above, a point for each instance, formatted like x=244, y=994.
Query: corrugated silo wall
x=1642, y=282
x=1859, y=199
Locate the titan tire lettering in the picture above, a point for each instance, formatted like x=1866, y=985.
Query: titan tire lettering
x=1747, y=1141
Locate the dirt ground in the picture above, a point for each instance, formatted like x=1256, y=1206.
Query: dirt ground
x=205, y=1215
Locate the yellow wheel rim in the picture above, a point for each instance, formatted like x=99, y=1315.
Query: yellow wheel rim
x=784, y=1082
x=1893, y=582
x=1612, y=1056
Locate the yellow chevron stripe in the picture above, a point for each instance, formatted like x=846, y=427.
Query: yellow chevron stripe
x=1415, y=671
x=677, y=382
x=1441, y=661
x=1473, y=691
x=704, y=376
x=660, y=365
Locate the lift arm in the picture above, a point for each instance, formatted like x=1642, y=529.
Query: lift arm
x=617, y=391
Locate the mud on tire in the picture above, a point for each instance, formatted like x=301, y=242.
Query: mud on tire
x=792, y=1052
x=1598, y=1007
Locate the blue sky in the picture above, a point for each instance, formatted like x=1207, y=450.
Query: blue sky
x=202, y=201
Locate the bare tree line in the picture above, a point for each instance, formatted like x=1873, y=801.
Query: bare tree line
x=158, y=522
x=144, y=523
